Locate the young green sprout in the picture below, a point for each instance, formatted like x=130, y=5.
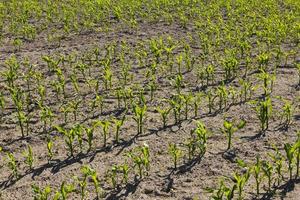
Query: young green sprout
x=287, y=113
x=78, y=131
x=107, y=78
x=277, y=159
x=64, y=191
x=222, y=93
x=141, y=158
x=12, y=164
x=17, y=95
x=186, y=99
x=290, y=152
x=69, y=138
x=256, y=169
x=105, y=128
x=118, y=124
x=267, y=169
x=264, y=111
x=112, y=173
x=201, y=138
x=82, y=182
x=125, y=171
x=50, y=149
x=89, y=172
x=197, y=99
x=29, y=158
x=240, y=182
x=46, y=116
x=229, y=128
x=222, y=191
x=41, y=194
x=90, y=136
x=139, y=116
x=164, y=114
x=175, y=152
x=210, y=98
x=176, y=106
x=98, y=102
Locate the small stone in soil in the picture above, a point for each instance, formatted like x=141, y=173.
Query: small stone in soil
x=174, y=128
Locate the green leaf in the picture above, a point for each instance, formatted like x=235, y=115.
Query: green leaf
x=241, y=163
x=241, y=124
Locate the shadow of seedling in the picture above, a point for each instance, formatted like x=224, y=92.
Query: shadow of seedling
x=130, y=188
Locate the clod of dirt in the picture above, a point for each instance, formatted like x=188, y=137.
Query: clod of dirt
x=148, y=190
x=230, y=155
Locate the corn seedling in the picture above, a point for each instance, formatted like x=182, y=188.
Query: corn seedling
x=29, y=158
x=287, y=113
x=267, y=169
x=90, y=136
x=278, y=161
x=139, y=116
x=50, y=149
x=175, y=153
x=201, y=138
x=164, y=114
x=241, y=181
x=268, y=81
x=74, y=81
x=107, y=78
x=69, y=138
x=222, y=94
x=17, y=99
x=178, y=83
x=197, y=99
x=78, y=131
x=64, y=191
x=12, y=165
x=11, y=75
x=105, y=128
x=176, y=106
x=41, y=194
x=264, y=111
x=186, y=99
x=245, y=92
x=290, y=152
x=152, y=87
x=141, y=158
x=210, y=98
x=229, y=128
x=74, y=105
x=125, y=171
x=191, y=147
x=98, y=102
x=46, y=116
x=257, y=170
x=89, y=172
x=230, y=67
x=118, y=125
x=222, y=191
x=82, y=182
x=112, y=173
